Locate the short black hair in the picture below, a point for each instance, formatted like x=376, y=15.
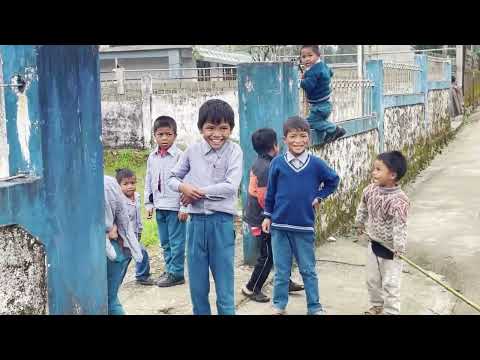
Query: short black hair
x=165, y=121
x=395, y=162
x=264, y=140
x=315, y=48
x=215, y=111
x=453, y=79
x=295, y=123
x=121, y=174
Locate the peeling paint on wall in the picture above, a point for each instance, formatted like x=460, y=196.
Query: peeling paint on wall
x=23, y=125
x=23, y=284
x=4, y=150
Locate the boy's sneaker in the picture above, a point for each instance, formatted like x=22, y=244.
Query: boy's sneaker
x=374, y=310
x=319, y=312
x=145, y=281
x=279, y=312
x=258, y=297
x=293, y=286
x=170, y=280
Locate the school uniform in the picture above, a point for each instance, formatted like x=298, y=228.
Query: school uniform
x=166, y=202
x=317, y=86
x=210, y=230
x=293, y=184
x=126, y=246
x=142, y=269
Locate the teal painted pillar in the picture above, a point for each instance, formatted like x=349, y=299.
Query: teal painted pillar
x=54, y=133
x=375, y=73
x=268, y=95
x=421, y=60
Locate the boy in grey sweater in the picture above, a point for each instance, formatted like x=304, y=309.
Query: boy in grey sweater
x=384, y=209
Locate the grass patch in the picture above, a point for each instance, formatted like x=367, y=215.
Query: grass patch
x=135, y=160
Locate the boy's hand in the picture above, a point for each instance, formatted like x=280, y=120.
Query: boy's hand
x=266, y=225
x=186, y=200
x=397, y=253
x=182, y=216
x=149, y=213
x=316, y=203
x=113, y=233
x=191, y=191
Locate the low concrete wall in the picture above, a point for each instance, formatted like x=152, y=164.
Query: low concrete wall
x=23, y=278
x=123, y=121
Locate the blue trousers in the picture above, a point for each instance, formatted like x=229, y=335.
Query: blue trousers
x=211, y=244
x=142, y=269
x=285, y=245
x=116, y=271
x=171, y=233
x=318, y=118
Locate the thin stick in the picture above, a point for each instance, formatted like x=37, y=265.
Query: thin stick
x=454, y=292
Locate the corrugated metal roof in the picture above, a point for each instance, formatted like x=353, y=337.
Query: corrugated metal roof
x=222, y=57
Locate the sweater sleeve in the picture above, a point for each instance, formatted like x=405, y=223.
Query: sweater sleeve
x=330, y=180
x=362, y=211
x=309, y=82
x=400, y=214
x=271, y=190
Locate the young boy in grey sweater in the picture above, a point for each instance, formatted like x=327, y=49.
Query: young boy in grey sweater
x=384, y=210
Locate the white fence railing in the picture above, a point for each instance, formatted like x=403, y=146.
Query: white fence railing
x=351, y=99
x=400, y=78
x=436, y=68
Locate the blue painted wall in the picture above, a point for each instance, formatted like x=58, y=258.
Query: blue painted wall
x=268, y=95
x=61, y=203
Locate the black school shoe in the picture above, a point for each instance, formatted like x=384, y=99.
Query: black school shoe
x=339, y=132
x=292, y=287
x=170, y=280
x=148, y=281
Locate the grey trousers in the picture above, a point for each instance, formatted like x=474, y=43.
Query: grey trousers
x=383, y=282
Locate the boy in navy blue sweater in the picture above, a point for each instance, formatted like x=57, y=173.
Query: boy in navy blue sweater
x=316, y=82
x=297, y=182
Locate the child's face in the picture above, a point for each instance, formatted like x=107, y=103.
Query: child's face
x=276, y=150
x=308, y=57
x=216, y=135
x=164, y=137
x=129, y=186
x=382, y=175
x=297, y=141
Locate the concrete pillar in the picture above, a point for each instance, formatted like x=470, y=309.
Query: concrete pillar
x=120, y=79
x=54, y=132
x=147, y=92
x=268, y=95
x=174, y=62
x=375, y=73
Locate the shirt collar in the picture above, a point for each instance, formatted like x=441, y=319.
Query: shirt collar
x=206, y=148
x=303, y=157
x=172, y=150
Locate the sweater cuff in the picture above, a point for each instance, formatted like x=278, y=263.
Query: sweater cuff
x=267, y=214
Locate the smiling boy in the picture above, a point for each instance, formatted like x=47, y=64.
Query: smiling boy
x=297, y=181
x=213, y=168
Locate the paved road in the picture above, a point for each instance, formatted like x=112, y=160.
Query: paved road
x=444, y=222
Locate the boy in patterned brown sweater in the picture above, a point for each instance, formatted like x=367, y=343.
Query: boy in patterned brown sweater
x=384, y=209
